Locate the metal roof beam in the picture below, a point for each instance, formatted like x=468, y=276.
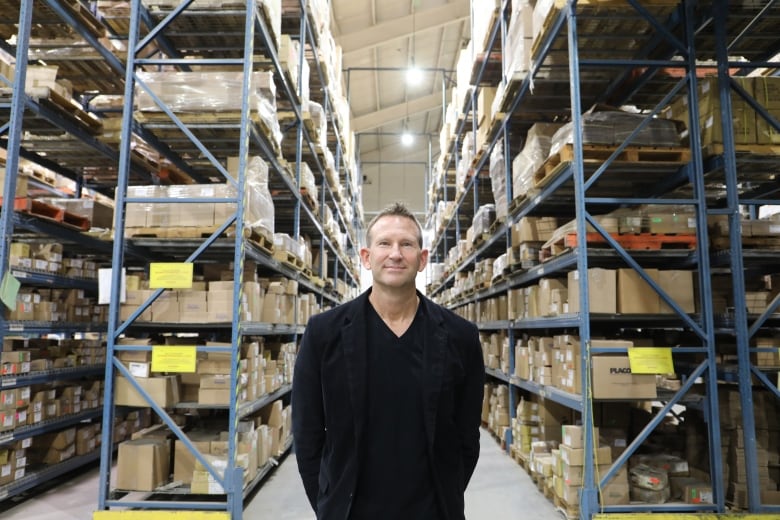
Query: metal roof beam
x=397, y=112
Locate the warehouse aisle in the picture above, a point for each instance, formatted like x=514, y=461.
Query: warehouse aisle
x=500, y=489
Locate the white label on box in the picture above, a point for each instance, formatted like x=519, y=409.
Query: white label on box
x=26, y=443
x=691, y=222
x=138, y=369
x=19, y=274
x=19, y=473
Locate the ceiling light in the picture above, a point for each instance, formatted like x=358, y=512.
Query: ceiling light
x=413, y=75
x=406, y=138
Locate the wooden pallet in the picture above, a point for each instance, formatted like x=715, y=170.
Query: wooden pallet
x=593, y=153
x=289, y=259
x=766, y=242
x=568, y=511
x=175, y=231
x=259, y=237
x=712, y=149
x=638, y=241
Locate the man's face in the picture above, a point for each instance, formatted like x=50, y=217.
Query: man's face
x=394, y=255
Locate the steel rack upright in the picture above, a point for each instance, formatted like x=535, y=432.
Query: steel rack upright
x=739, y=44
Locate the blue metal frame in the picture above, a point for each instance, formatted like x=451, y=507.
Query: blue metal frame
x=743, y=329
x=701, y=324
x=232, y=480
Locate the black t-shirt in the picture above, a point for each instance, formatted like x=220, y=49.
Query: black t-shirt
x=395, y=478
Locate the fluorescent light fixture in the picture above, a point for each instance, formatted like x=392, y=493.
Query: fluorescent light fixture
x=414, y=75
x=406, y=138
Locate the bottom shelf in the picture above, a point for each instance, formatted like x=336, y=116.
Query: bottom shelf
x=44, y=473
x=180, y=497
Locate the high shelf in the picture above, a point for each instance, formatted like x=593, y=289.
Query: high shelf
x=578, y=60
x=246, y=108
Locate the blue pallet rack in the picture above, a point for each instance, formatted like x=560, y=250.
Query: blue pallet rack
x=246, y=36
x=18, y=112
x=683, y=32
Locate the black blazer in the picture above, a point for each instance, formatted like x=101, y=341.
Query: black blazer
x=329, y=405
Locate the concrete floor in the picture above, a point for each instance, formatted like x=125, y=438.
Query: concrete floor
x=499, y=489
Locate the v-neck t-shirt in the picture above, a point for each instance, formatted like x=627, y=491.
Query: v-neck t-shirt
x=395, y=479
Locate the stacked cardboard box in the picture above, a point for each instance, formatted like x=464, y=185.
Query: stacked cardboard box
x=525, y=425
x=498, y=419
x=13, y=461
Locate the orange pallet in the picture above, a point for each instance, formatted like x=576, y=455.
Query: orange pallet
x=649, y=241
x=37, y=208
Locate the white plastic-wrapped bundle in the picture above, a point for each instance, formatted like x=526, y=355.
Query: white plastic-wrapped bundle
x=498, y=179
x=531, y=158
x=259, y=206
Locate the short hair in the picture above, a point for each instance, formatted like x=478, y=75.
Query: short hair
x=396, y=209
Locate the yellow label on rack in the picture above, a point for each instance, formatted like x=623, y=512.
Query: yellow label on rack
x=650, y=360
x=178, y=358
x=160, y=515
x=170, y=275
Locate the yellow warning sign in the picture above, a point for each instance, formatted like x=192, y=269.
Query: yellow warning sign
x=170, y=275
x=174, y=358
x=650, y=360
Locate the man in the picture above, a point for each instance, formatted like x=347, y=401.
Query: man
x=387, y=393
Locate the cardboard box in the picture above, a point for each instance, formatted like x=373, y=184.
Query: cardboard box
x=164, y=390
x=612, y=379
x=679, y=286
x=602, y=288
x=576, y=456
x=572, y=435
x=214, y=396
x=184, y=459
x=143, y=464
x=635, y=296
x=671, y=223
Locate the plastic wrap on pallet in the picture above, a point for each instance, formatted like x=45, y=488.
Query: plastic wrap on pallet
x=320, y=121
x=203, y=91
x=531, y=158
x=499, y=264
x=498, y=178
x=259, y=207
x=612, y=127
x=483, y=219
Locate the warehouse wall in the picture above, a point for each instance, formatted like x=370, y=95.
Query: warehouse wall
x=385, y=184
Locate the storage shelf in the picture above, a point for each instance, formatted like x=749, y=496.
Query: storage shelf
x=43, y=327
x=47, y=376
x=244, y=409
x=572, y=401
x=41, y=278
x=498, y=374
x=250, y=328
x=24, y=432
x=38, y=475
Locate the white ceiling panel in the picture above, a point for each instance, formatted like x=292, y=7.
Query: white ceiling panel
x=380, y=39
